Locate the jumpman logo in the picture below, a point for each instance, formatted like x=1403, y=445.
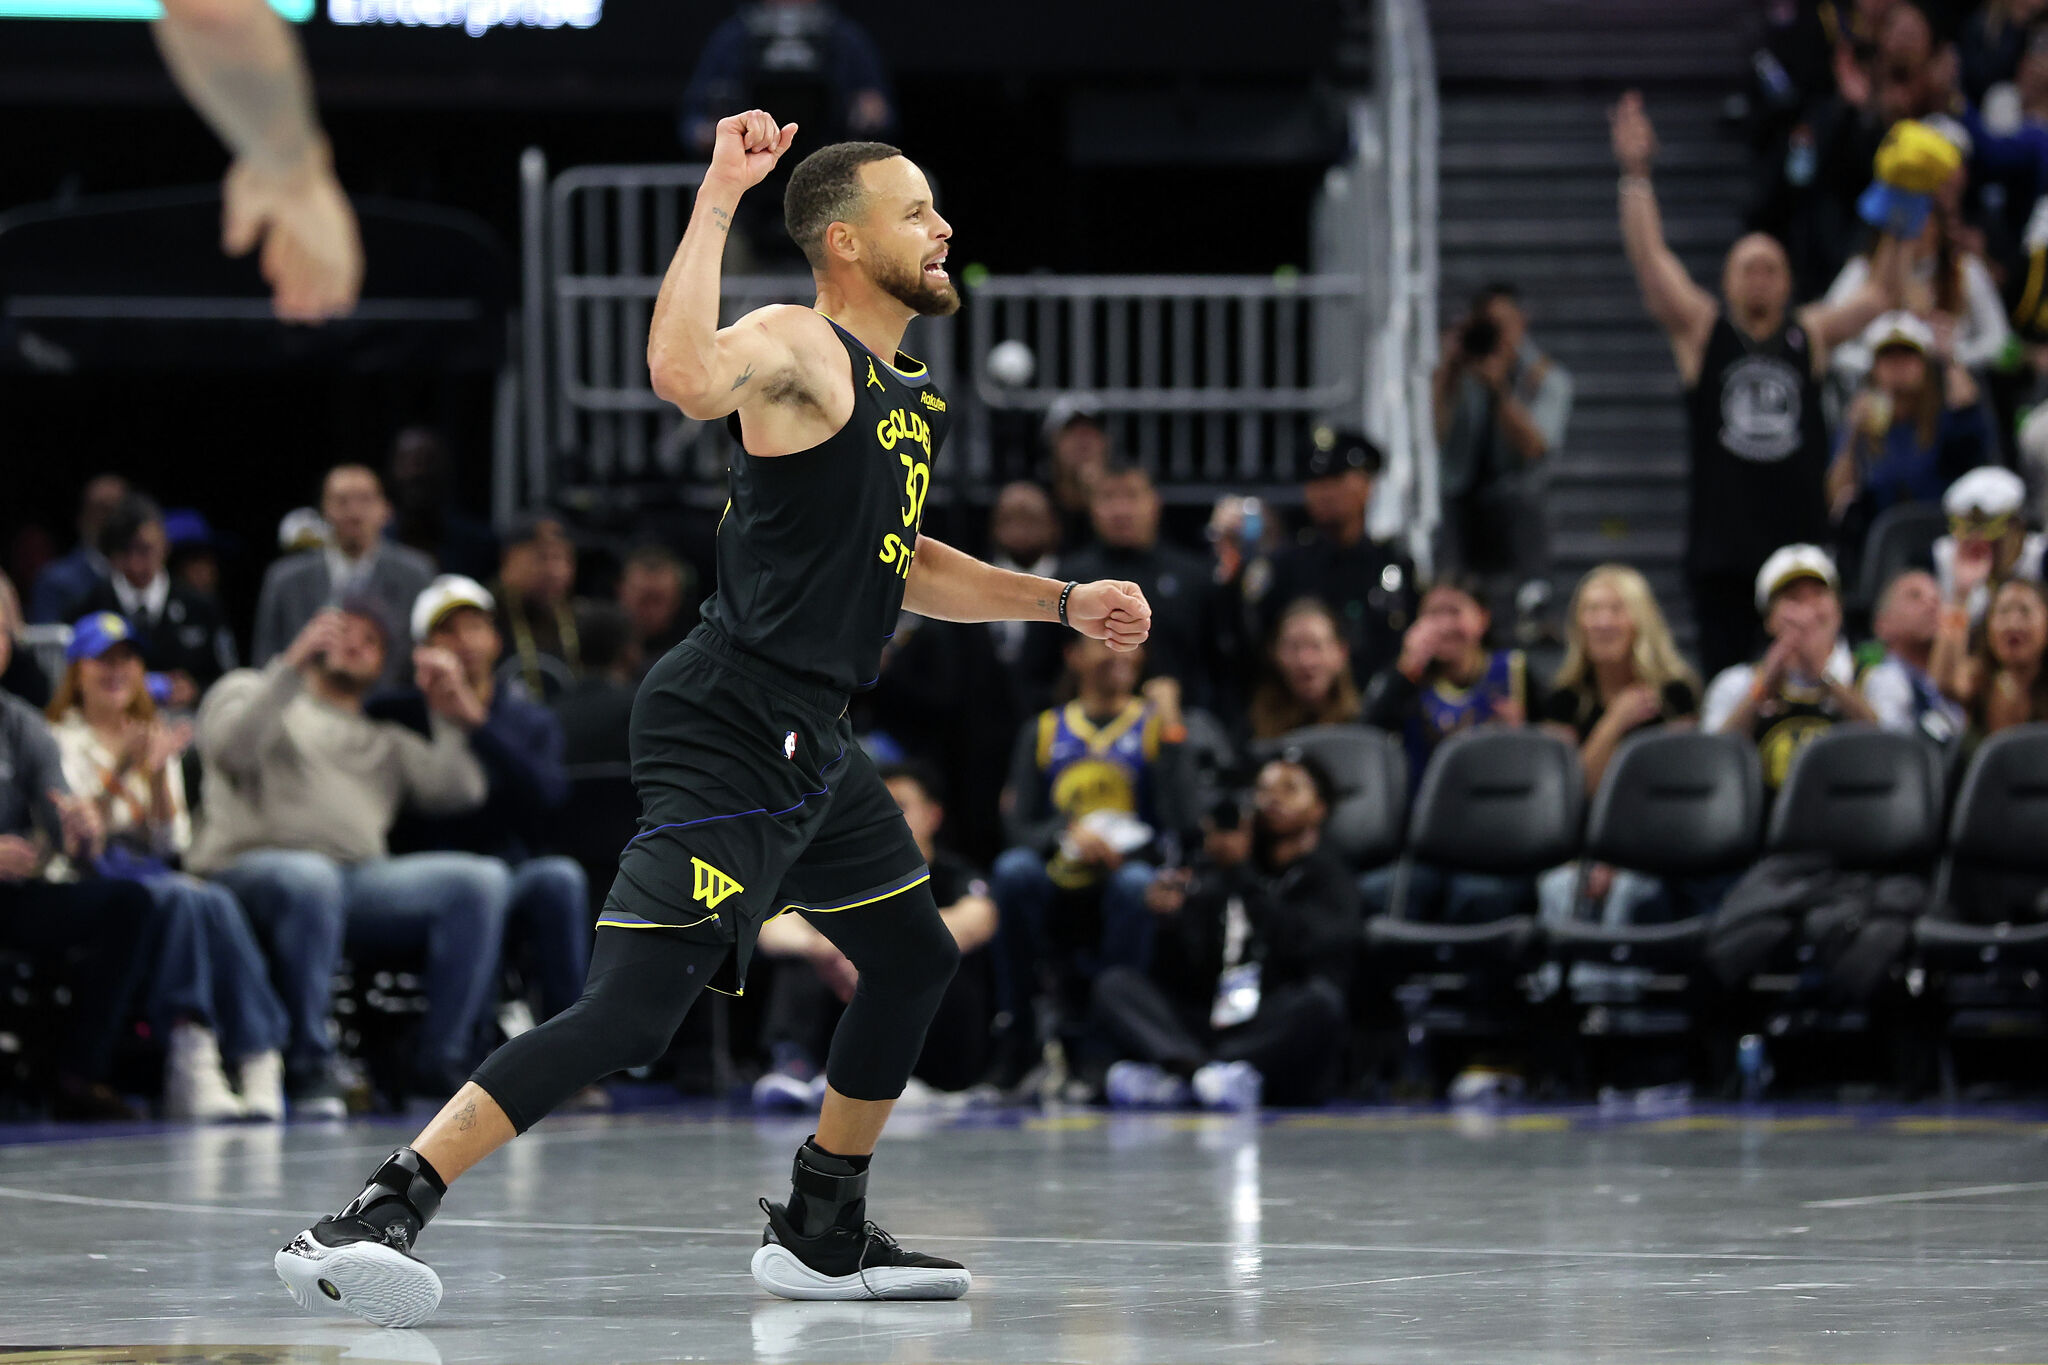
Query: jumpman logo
x=875, y=380
x=711, y=886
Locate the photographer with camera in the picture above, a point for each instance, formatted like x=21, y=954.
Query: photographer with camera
x=1252, y=956
x=1501, y=408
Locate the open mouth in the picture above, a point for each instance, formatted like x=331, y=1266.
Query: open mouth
x=935, y=269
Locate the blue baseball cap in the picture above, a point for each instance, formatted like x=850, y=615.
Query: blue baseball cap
x=94, y=635
x=185, y=526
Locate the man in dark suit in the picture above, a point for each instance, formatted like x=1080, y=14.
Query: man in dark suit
x=357, y=559
x=183, y=631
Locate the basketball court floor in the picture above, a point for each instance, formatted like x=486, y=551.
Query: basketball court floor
x=1386, y=1236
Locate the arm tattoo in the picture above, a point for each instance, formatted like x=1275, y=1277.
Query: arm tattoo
x=744, y=378
x=465, y=1117
x=722, y=218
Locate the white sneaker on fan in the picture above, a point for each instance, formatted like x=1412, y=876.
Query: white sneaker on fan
x=262, y=1086
x=195, y=1084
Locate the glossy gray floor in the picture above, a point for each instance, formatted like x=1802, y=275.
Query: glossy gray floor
x=1373, y=1236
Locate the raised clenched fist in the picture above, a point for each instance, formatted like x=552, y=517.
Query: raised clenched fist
x=746, y=148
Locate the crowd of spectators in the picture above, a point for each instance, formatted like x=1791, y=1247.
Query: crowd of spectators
x=1160, y=920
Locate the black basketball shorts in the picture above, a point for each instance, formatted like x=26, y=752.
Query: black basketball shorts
x=754, y=799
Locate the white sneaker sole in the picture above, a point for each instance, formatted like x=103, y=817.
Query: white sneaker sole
x=373, y=1282
x=779, y=1272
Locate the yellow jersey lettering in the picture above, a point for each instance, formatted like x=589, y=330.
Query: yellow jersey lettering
x=904, y=425
x=897, y=553
x=932, y=401
x=917, y=482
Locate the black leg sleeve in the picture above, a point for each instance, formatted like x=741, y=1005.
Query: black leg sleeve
x=1135, y=1015
x=905, y=955
x=642, y=982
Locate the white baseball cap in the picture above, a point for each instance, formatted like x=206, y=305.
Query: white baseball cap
x=445, y=594
x=1789, y=564
x=302, y=529
x=1899, y=328
x=1989, y=490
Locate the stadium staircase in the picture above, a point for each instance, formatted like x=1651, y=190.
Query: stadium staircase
x=1528, y=196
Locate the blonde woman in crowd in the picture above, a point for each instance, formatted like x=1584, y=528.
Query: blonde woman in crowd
x=1622, y=671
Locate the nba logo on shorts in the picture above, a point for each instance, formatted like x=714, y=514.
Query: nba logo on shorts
x=789, y=745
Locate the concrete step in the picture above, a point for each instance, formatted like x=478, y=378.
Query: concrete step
x=1709, y=194
x=1476, y=115
x=1588, y=153
x=1578, y=233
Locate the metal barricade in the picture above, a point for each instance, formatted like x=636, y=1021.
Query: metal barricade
x=1210, y=382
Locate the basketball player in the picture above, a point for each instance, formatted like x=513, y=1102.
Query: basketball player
x=239, y=64
x=755, y=799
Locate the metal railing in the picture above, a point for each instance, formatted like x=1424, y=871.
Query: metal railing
x=1211, y=382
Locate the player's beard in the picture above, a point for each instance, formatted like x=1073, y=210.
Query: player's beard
x=909, y=287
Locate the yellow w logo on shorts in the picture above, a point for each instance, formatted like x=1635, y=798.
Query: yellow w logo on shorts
x=711, y=886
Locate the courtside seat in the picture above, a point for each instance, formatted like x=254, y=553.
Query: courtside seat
x=1371, y=775
x=1504, y=802
x=1987, y=905
x=1674, y=805
x=1870, y=799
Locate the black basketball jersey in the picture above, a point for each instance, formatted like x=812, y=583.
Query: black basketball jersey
x=1759, y=449
x=814, y=548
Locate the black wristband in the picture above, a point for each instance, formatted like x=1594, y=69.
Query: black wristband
x=1065, y=593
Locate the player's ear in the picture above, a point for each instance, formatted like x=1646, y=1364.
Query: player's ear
x=841, y=242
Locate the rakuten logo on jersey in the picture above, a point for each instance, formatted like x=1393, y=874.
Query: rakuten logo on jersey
x=475, y=17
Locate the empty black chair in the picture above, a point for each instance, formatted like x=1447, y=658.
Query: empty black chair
x=1870, y=799
x=1505, y=802
x=1988, y=899
x=1676, y=805
x=1371, y=775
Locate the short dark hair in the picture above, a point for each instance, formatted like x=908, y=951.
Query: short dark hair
x=366, y=606
x=1123, y=467
x=133, y=512
x=1456, y=578
x=911, y=770
x=1495, y=289
x=825, y=189
x=1318, y=775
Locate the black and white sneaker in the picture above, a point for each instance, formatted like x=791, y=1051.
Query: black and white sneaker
x=361, y=1260
x=849, y=1263
x=348, y=1263
x=821, y=1246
